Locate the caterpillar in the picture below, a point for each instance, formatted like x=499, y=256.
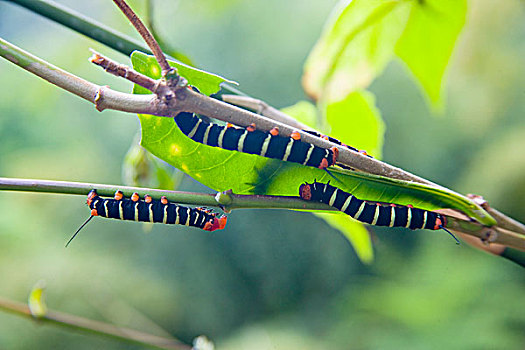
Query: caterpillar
x=150, y=210
x=373, y=213
x=252, y=141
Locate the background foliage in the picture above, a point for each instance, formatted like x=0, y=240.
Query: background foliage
x=273, y=279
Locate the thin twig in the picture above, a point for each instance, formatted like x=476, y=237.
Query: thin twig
x=123, y=71
x=96, y=327
x=146, y=35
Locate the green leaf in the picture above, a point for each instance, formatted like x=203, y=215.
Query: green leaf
x=141, y=168
x=356, y=121
x=428, y=40
x=208, y=83
x=354, y=231
x=357, y=43
x=244, y=173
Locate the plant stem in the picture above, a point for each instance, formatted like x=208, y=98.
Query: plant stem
x=96, y=327
x=102, y=97
x=201, y=199
x=146, y=35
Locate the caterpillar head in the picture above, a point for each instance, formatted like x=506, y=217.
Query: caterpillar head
x=91, y=195
x=215, y=224
x=441, y=221
x=305, y=191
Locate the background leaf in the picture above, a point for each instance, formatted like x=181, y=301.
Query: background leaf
x=356, y=121
x=428, y=40
x=357, y=43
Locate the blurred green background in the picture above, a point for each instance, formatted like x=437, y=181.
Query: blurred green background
x=272, y=279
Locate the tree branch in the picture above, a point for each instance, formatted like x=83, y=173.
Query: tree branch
x=102, y=97
x=95, y=327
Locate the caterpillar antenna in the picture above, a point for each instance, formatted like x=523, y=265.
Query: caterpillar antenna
x=450, y=233
x=80, y=228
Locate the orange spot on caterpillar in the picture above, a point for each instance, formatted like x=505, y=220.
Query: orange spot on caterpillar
x=410, y=206
x=324, y=164
x=94, y=212
x=222, y=222
x=251, y=127
x=274, y=131
x=119, y=195
x=363, y=152
x=324, y=137
x=296, y=136
x=135, y=197
x=335, y=152
x=164, y=200
x=229, y=125
x=147, y=198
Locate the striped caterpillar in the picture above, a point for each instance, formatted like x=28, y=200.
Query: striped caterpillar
x=373, y=213
x=252, y=141
x=150, y=210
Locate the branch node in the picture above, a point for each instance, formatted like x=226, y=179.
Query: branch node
x=99, y=98
x=490, y=237
x=224, y=199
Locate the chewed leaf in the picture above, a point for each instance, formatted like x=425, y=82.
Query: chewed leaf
x=428, y=40
x=357, y=43
x=354, y=231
